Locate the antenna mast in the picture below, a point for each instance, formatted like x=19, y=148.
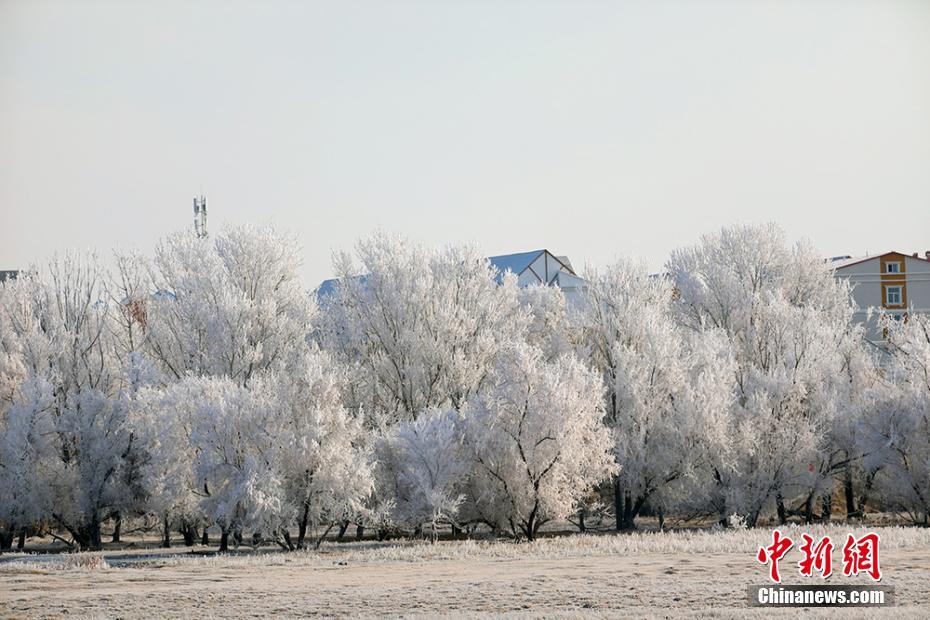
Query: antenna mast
x=200, y=216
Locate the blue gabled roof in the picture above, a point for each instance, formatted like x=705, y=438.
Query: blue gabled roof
x=516, y=263
x=328, y=287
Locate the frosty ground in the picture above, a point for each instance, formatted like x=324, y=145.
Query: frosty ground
x=688, y=573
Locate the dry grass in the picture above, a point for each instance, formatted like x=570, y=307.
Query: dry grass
x=688, y=573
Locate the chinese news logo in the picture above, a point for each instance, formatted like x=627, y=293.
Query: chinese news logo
x=860, y=555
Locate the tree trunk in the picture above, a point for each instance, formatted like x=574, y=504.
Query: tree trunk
x=809, y=509
x=780, y=507
x=319, y=541
x=224, y=540
x=359, y=532
x=630, y=509
x=342, y=530
x=826, y=507
x=287, y=539
x=661, y=520
x=530, y=529
x=864, y=498
x=581, y=524
x=6, y=539
x=302, y=527
x=87, y=535
x=21, y=543
x=117, y=527
x=189, y=532
x=205, y=539
x=848, y=492
x=166, y=533
x=618, y=505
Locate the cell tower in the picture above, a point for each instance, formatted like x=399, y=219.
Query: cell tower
x=200, y=216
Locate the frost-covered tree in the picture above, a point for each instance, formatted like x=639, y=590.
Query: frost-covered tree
x=164, y=418
x=666, y=388
x=537, y=439
x=321, y=452
x=69, y=425
x=552, y=325
x=895, y=432
x=422, y=466
x=232, y=309
x=234, y=438
x=788, y=322
x=230, y=306
x=280, y=453
x=418, y=328
x=23, y=438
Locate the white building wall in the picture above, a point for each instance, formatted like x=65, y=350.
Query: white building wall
x=866, y=282
x=918, y=285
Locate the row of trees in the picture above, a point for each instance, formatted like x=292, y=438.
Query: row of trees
x=204, y=386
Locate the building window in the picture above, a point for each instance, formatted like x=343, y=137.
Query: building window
x=893, y=296
x=893, y=267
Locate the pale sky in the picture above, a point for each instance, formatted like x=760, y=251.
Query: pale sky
x=594, y=129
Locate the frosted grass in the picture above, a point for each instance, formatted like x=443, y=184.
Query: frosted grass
x=682, y=542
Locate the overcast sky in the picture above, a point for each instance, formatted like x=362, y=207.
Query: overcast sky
x=594, y=129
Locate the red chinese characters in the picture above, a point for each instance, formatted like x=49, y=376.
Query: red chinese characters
x=861, y=556
x=773, y=553
x=817, y=557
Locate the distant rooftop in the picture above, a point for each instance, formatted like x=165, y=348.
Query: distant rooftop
x=328, y=287
x=516, y=263
x=839, y=262
x=520, y=262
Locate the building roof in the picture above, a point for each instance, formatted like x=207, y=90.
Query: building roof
x=517, y=263
x=848, y=261
x=328, y=287
x=520, y=262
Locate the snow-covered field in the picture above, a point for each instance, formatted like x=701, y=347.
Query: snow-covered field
x=689, y=573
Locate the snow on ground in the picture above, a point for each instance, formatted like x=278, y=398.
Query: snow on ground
x=689, y=573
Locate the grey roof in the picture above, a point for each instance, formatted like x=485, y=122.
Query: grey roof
x=328, y=287
x=516, y=263
x=848, y=261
